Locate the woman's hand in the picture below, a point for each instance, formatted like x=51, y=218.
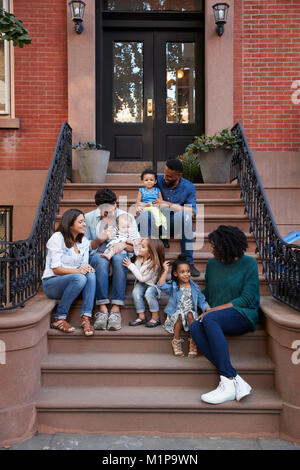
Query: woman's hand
x=86, y=268
x=126, y=262
x=200, y=318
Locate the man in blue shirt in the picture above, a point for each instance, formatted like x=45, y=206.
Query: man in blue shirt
x=179, y=206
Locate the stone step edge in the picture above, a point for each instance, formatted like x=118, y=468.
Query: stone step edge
x=163, y=400
x=138, y=184
x=141, y=332
x=243, y=217
x=158, y=363
x=220, y=201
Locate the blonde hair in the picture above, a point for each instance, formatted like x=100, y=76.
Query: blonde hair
x=156, y=253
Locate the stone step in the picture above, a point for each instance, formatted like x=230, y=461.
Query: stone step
x=178, y=410
x=117, y=177
x=203, y=191
x=210, y=222
x=210, y=206
x=141, y=339
x=147, y=369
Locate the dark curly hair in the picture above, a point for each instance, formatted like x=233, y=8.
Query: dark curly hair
x=181, y=259
x=105, y=196
x=148, y=171
x=229, y=243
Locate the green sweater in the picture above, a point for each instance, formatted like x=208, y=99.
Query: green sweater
x=237, y=283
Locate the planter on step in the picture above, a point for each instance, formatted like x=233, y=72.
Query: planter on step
x=215, y=165
x=92, y=162
x=214, y=154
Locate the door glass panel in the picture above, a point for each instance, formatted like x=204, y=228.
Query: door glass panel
x=153, y=5
x=128, y=81
x=180, y=76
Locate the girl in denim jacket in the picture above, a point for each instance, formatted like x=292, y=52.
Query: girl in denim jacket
x=185, y=297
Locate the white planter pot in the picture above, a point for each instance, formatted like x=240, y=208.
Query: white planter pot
x=92, y=165
x=215, y=165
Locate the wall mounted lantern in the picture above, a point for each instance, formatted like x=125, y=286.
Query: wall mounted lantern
x=220, y=12
x=77, y=12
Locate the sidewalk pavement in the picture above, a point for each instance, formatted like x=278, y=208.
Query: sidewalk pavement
x=62, y=441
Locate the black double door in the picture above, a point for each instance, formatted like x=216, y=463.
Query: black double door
x=152, y=94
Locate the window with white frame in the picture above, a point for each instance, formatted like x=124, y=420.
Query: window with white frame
x=4, y=70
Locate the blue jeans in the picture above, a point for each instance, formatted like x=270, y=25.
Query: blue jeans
x=210, y=339
x=101, y=266
x=142, y=290
x=67, y=288
x=180, y=223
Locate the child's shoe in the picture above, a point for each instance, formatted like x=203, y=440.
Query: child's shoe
x=193, y=352
x=177, y=349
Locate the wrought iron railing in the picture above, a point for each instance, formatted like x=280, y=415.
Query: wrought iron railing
x=22, y=262
x=281, y=260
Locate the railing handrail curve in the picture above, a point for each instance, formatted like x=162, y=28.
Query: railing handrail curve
x=280, y=259
x=22, y=261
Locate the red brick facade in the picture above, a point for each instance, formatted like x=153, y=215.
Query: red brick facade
x=41, y=94
x=266, y=63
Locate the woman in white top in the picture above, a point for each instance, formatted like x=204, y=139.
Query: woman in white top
x=67, y=272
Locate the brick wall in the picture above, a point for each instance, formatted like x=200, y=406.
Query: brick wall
x=266, y=63
x=41, y=94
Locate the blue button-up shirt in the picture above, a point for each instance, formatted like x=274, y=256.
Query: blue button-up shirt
x=183, y=194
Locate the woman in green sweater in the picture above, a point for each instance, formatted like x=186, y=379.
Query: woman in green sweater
x=232, y=291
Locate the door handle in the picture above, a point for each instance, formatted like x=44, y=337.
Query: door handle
x=149, y=107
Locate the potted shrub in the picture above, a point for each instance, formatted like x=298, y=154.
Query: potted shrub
x=191, y=167
x=92, y=161
x=214, y=154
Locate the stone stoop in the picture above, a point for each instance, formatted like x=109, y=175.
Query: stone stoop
x=128, y=381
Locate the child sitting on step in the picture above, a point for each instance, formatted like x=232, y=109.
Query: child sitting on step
x=185, y=297
x=123, y=234
x=146, y=199
x=147, y=269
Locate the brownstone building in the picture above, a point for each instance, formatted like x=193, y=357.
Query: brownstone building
x=116, y=83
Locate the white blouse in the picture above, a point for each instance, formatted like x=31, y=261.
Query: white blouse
x=59, y=255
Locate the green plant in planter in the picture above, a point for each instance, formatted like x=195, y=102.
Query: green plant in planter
x=87, y=146
x=226, y=139
x=214, y=154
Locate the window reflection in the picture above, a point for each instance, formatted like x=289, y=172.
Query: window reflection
x=153, y=5
x=128, y=82
x=180, y=60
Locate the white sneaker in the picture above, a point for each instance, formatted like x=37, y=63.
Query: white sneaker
x=242, y=388
x=225, y=391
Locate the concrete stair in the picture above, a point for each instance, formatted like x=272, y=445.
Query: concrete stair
x=128, y=381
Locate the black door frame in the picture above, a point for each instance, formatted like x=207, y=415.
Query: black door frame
x=131, y=21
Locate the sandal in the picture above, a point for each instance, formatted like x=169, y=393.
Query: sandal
x=62, y=325
x=88, y=329
x=177, y=349
x=193, y=352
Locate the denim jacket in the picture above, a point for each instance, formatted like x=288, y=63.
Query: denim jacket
x=173, y=290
